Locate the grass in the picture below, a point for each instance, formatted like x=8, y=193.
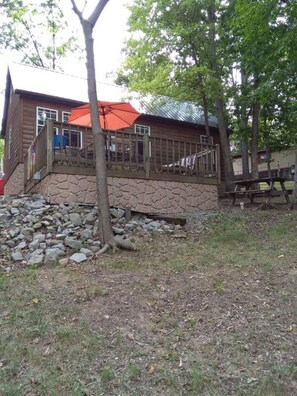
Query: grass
x=212, y=314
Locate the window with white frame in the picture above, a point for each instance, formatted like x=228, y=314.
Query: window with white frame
x=42, y=115
x=142, y=129
x=204, y=139
x=74, y=137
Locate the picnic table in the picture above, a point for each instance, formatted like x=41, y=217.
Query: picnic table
x=250, y=188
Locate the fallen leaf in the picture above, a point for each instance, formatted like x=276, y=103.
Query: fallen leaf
x=35, y=300
x=289, y=329
x=151, y=369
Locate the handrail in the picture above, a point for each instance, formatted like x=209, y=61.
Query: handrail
x=125, y=151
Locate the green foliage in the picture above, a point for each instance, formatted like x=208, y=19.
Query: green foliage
x=261, y=39
x=37, y=30
x=1, y=148
x=169, y=53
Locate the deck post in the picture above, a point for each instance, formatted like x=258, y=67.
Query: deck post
x=50, y=145
x=146, y=155
x=218, y=163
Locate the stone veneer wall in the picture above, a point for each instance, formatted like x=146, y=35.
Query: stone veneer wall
x=146, y=196
x=15, y=184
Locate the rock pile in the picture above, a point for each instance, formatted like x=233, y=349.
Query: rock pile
x=34, y=232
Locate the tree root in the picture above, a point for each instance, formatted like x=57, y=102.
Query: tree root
x=125, y=244
x=118, y=243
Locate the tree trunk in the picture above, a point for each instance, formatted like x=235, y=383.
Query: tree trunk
x=205, y=112
x=105, y=229
x=225, y=145
x=245, y=159
x=243, y=125
x=294, y=193
x=254, y=141
x=267, y=147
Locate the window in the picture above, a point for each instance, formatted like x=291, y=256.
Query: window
x=43, y=114
x=204, y=139
x=142, y=129
x=74, y=137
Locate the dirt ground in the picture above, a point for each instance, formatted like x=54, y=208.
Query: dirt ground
x=211, y=311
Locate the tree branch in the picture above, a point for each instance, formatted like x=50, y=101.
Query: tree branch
x=95, y=14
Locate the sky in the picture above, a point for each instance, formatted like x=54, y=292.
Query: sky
x=109, y=36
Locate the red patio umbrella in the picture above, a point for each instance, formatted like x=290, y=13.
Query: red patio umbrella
x=113, y=115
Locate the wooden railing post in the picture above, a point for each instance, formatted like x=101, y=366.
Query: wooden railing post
x=50, y=145
x=218, y=163
x=146, y=155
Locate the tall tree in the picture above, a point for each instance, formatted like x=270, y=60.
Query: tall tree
x=39, y=31
x=261, y=36
x=174, y=52
x=105, y=229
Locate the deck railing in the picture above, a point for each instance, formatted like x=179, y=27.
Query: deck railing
x=71, y=147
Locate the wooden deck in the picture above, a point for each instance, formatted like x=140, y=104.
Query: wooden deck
x=127, y=155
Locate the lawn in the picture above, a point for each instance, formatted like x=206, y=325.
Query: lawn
x=212, y=312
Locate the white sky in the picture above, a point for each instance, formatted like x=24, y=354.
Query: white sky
x=109, y=36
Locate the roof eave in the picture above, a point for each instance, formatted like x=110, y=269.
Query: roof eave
x=38, y=95
x=6, y=104
x=174, y=121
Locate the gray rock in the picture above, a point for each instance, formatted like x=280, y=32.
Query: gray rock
x=129, y=227
x=21, y=245
x=118, y=231
x=36, y=252
x=11, y=243
x=48, y=218
x=40, y=237
x=53, y=242
x=17, y=203
x=4, y=217
x=37, y=204
x=36, y=260
x=87, y=252
x=28, y=231
x=73, y=243
x=14, y=232
x=117, y=212
x=17, y=256
x=78, y=257
x=75, y=219
x=36, y=226
x=14, y=211
x=61, y=236
x=52, y=255
x=90, y=218
x=86, y=234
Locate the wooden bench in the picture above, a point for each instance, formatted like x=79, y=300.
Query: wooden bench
x=251, y=194
x=247, y=193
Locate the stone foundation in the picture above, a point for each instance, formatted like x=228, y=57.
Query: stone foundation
x=15, y=184
x=146, y=196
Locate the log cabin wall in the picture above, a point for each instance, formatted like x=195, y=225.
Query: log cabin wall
x=163, y=128
x=29, y=116
x=13, y=136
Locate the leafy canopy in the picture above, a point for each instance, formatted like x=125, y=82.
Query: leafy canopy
x=38, y=30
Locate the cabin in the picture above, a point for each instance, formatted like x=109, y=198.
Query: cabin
x=163, y=163
x=282, y=163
